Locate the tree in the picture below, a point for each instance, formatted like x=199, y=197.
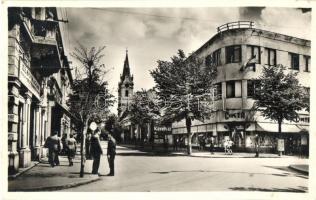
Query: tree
x=279, y=95
x=144, y=107
x=113, y=126
x=91, y=97
x=185, y=87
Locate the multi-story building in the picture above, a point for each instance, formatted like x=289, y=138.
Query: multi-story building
x=39, y=80
x=235, y=45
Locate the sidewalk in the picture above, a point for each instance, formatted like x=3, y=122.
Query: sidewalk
x=43, y=177
x=204, y=154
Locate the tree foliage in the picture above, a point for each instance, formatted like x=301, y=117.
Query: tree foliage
x=144, y=107
x=279, y=95
x=184, y=86
x=91, y=97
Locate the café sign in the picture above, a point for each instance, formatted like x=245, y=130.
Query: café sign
x=27, y=78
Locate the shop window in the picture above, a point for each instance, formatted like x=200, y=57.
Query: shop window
x=307, y=63
x=271, y=56
x=295, y=61
x=233, y=54
x=230, y=89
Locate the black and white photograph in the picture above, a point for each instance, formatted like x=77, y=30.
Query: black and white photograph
x=141, y=98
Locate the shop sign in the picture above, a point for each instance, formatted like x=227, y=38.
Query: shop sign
x=238, y=115
x=280, y=144
x=27, y=78
x=159, y=128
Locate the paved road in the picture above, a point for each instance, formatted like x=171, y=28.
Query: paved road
x=137, y=171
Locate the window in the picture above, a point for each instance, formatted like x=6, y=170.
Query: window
x=213, y=59
x=38, y=13
x=237, y=88
x=295, y=61
x=233, y=54
x=126, y=93
x=218, y=91
x=251, y=87
x=230, y=89
x=255, y=53
x=217, y=57
x=271, y=57
x=307, y=63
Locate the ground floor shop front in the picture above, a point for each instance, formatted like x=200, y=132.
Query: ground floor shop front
x=294, y=139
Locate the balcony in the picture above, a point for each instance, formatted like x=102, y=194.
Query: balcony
x=235, y=25
x=45, y=52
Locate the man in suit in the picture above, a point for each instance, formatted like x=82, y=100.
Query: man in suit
x=111, y=153
x=53, y=144
x=72, y=148
x=96, y=151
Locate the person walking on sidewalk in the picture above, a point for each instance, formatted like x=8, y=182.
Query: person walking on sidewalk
x=96, y=151
x=53, y=143
x=72, y=148
x=111, y=153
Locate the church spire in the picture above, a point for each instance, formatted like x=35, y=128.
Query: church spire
x=126, y=70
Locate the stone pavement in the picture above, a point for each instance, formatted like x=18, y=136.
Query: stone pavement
x=43, y=177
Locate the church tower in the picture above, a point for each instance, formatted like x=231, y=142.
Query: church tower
x=125, y=88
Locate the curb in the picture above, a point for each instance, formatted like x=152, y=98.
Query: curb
x=13, y=176
x=59, y=187
x=298, y=169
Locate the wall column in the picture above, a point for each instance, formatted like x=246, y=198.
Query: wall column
x=13, y=123
x=25, y=152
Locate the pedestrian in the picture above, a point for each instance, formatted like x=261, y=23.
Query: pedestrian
x=53, y=143
x=211, y=146
x=64, y=143
x=111, y=153
x=230, y=146
x=96, y=151
x=71, y=149
x=88, y=146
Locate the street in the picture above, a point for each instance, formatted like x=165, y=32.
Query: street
x=140, y=172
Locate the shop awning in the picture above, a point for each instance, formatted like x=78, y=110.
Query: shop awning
x=66, y=111
x=271, y=127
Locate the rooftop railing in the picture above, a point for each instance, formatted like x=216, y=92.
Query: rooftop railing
x=235, y=25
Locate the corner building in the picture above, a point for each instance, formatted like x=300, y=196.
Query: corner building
x=234, y=46
x=39, y=81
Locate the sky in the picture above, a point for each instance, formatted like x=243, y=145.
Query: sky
x=152, y=34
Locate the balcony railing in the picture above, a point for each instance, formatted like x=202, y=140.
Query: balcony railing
x=235, y=25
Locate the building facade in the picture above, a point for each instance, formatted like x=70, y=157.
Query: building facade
x=235, y=46
x=39, y=80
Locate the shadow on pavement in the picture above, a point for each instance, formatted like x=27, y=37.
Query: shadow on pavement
x=213, y=171
x=151, y=154
x=269, y=189
x=288, y=172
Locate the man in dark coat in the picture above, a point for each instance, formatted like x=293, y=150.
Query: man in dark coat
x=53, y=144
x=96, y=151
x=111, y=153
